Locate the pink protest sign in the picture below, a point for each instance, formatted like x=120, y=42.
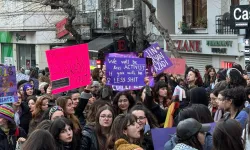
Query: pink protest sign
x=69, y=67
x=179, y=66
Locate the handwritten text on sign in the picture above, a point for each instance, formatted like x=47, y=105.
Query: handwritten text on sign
x=159, y=58
x=69, y=67
x=8, y=88
x=125, y=71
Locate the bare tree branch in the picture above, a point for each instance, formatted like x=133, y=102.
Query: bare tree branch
x=161, y=29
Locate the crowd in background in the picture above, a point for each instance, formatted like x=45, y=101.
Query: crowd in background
x=95, y=117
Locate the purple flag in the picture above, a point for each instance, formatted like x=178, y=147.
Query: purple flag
x=160, y=60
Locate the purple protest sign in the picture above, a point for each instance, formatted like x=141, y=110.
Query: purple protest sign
x=162, y=135
x=160, y=60
x=8, y=87
x=125, y=71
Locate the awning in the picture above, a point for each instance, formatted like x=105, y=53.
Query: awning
x=100, y=43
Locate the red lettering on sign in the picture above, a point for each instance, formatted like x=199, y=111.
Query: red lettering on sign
x=187, y=45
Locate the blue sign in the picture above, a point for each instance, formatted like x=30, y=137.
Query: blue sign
x=125, y=71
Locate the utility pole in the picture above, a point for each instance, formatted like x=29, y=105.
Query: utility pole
x=139, y=35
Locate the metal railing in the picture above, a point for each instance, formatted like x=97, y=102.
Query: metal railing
x=223, y=25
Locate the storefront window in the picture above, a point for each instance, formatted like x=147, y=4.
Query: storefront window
x=195, y=13
x=26, y=56
x=6, y=52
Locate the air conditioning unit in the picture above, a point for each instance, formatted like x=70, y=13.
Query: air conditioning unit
x=124, y=21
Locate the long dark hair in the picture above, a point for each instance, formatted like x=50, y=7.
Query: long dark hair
x=236, y=78
x=152, y=121
x=227, y=135
x=57, y=126
x=211, y=79
x=116, y=99
x=157, y=87
x=116, y=131
x=38, y=140
x=199, y=112
x=102, y=138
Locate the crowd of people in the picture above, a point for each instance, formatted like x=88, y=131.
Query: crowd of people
x=95, y=117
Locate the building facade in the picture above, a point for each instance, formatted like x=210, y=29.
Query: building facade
x=27, y=30
x=202, y=32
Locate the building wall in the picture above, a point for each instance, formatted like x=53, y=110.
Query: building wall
x=166, y=14
x=41, y=60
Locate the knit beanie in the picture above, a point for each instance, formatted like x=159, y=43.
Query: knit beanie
x=53, y=110
x=7, y=112
x=122, y=144
x=26, y=86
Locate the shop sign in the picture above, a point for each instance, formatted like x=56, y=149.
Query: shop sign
x=240, y=16
x=220, y=43
x=60, y=28
x=187, y=45
x=219, y=50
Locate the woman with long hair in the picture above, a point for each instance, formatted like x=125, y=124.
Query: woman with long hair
x=211, y=78
x=62, y=131
x=40, y=107
x=38, y=140
x=125, y=127
x=103, y=122
x=227, y=135
x=147, y=121
x=122, y=102
x=162, y=94
x=66, y=104
x=234, y=78
x=32, y=102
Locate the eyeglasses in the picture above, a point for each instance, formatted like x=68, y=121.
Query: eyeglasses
x=107, y=117
x=140, y=118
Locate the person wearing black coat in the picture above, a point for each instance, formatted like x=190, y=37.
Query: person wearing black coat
x=22, y=112
x=9, y=132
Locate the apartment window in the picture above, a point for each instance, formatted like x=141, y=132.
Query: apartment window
x=195, y=13
x=123, y=4
x=90, y=5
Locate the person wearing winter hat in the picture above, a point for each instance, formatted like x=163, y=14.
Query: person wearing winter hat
x=191, y=134
x=9, y=132
x=27, y=91
x=55, y=112
x=122, y=144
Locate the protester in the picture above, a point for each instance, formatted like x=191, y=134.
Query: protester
x=191, y=135
x=27, y=91
x=23, y=115
x=147, y=121
x=235, y=78
x=103, y=121
x=227, y=135
x=52, y=113
x=234, y=103
x=31, y=103
x=62, y=131
x=10, y=134
x=122, y=102
x=161, y=94
x=39, y=140
x=40, y=107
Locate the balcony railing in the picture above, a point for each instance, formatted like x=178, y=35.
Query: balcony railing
x=223, y=25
